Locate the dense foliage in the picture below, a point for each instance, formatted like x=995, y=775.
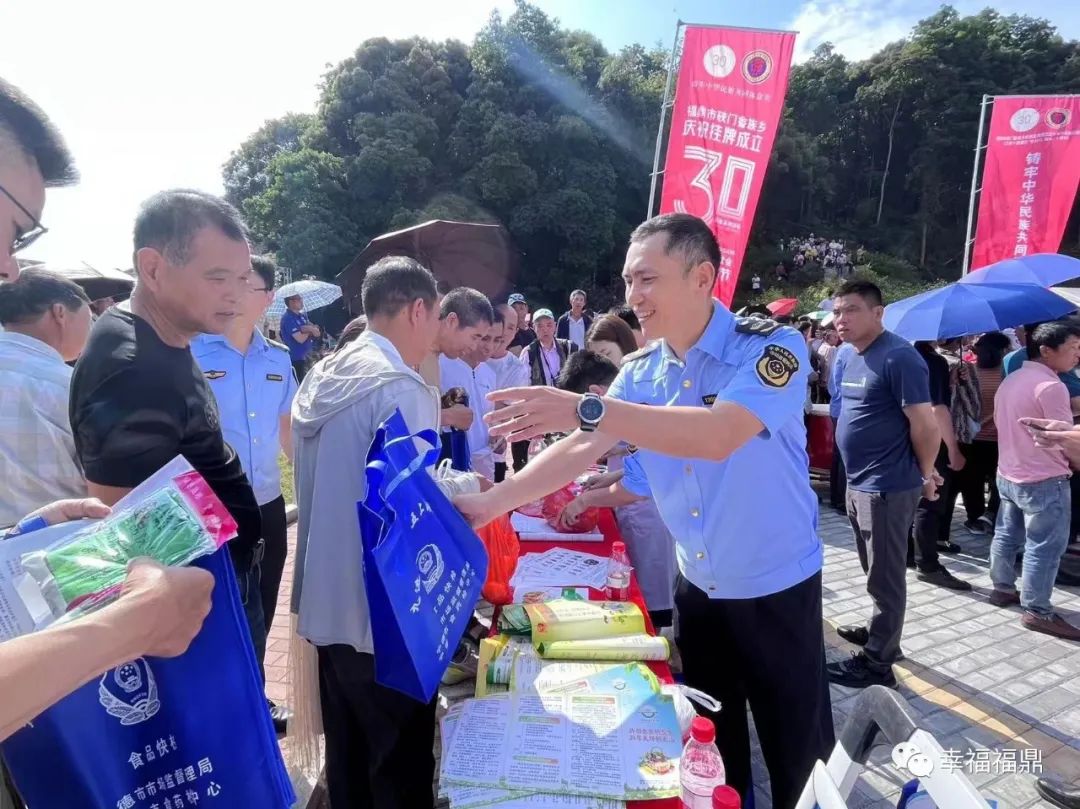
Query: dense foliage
x=542, y=129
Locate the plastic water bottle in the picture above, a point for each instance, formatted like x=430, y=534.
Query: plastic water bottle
x=701, y=770
x=725, y=797
x=618, y=574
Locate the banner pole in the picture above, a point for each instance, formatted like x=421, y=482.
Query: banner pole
x=969, y=236
x=663, y=119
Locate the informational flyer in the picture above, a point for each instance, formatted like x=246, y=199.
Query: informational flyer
x=471, y=797
x=617, y=738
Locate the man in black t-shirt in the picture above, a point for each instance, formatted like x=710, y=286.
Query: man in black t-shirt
x=930, y=532
x=138, y=399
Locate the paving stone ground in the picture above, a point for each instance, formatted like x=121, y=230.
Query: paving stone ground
x=973, y=676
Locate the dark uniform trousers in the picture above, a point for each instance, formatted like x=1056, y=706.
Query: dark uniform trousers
x=379, y=742
x=768, y=652
x=275, y=536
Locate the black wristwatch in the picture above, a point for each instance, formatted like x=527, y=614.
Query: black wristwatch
x=589, y=412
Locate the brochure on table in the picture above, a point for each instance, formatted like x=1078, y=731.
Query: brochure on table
x=613, y=735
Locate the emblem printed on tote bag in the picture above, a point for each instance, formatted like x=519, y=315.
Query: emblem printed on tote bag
x=129, y=692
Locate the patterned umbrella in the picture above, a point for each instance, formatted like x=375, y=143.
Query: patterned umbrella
x=315, y=294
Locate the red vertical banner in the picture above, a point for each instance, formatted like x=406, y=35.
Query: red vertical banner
x=1030, y=177
x=727, y=109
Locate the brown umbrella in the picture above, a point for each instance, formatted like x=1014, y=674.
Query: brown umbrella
x=458, y=253
x=106, y=283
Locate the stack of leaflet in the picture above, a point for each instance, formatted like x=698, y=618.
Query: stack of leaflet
x=587, y=737
x=559, y=567
x=569, y=629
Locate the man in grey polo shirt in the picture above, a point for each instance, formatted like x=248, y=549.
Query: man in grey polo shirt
x=889, y=441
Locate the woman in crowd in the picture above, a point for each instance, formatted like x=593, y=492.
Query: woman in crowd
x=982, y=453
x=650, y=545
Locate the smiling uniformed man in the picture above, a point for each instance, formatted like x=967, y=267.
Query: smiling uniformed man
x=715, y=407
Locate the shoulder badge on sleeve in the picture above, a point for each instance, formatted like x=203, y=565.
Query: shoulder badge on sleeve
x=641, y=352
x=776, y=366
x=757, y=325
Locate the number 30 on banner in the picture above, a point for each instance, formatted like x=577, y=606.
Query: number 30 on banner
x=734, y=185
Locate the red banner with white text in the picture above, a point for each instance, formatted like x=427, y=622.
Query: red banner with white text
x=1030, y=177
x=727, y=109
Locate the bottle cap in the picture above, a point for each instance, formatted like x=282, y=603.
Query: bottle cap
x=702, y=730
x=618, y=546
x=725, y=797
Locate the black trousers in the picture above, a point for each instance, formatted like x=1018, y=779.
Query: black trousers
x=275, y=549
x=978, y=474
x=300, y=368
x=933, y=519
x=379, y=742
x=500, y=471
x=837, y=476
x=768, y=652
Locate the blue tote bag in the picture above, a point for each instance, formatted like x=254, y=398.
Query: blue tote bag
x=423, y=565
x=166, y=733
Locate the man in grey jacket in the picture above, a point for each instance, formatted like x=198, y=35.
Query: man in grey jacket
x=378, y=741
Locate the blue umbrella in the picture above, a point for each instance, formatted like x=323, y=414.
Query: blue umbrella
x=1044, y=269
x=959, y=309
x=315, y=294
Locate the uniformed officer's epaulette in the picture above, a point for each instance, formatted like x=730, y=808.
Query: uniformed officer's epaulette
x=277, y=345
x=641, y=352
x=757, y=325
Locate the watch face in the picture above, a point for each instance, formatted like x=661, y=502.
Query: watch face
x=591, y=409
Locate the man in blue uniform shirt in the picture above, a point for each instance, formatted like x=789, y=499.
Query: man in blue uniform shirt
x=253, y=382
x=298, y=333
x=715, y=407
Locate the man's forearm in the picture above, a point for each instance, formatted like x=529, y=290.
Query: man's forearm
x=40, y=669
x=926, y=441
x=554, y=467
x=611, y=496
x=683, y=432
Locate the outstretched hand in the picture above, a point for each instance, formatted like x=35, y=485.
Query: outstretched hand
x=531, y=412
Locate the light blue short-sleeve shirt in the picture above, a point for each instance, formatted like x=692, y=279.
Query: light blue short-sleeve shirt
x=746, y=526
x=253, y=391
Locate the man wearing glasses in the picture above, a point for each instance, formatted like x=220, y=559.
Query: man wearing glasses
x=252, y=379
x=33, y=157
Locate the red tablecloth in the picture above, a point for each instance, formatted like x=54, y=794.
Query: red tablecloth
x=611, y=533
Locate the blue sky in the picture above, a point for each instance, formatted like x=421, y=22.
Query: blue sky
x=152, y=95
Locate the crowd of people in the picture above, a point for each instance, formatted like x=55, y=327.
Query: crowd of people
x=698, y=415
x=832, y=255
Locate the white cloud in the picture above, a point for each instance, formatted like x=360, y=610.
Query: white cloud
x=859, y=28
x=151, y=96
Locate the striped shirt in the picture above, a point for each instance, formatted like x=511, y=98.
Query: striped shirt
x=989, y=381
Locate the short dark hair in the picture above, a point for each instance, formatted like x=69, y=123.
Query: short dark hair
x=580, y=292
x=471, y=307
x=169, y=220
x=626, y=315
x=1050, y=335
x=266, y=269
x=28, y=128
x=394, y=282
x=36, y=291
x=804, y=326
x=497, y=317
x=866, y=290
x=612, y=329
x=585, y=368
x=687, y=235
